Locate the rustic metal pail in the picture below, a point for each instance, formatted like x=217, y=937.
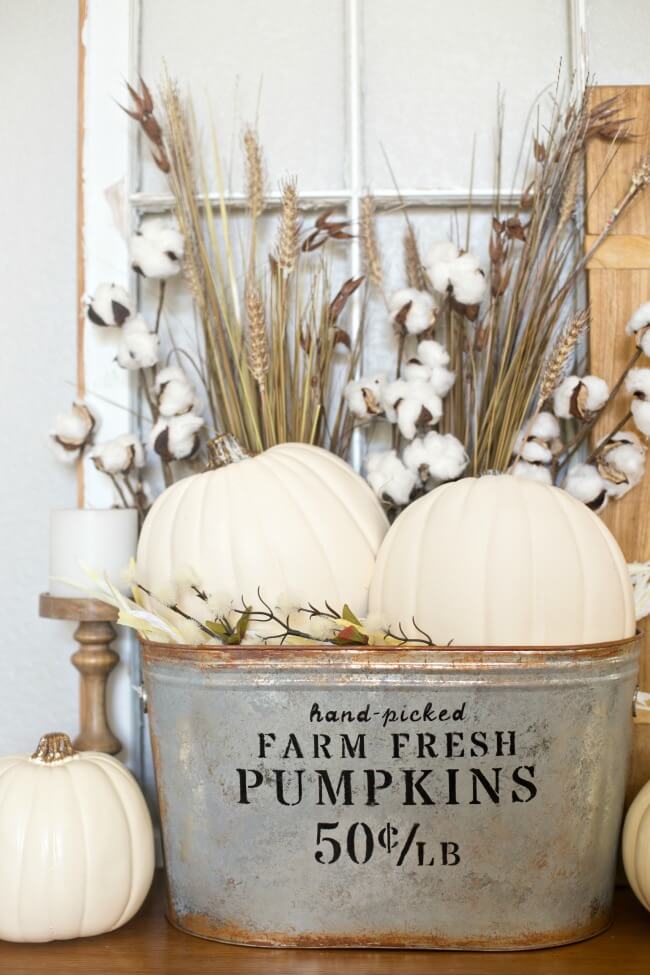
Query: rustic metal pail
x=396, y=798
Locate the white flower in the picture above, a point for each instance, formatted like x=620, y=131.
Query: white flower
x=410, y=404
x=533, y=472
x=432, y=353
x=71, y=432
x=412, y=311
x=467, y=280
x=438, y=260
x=138, y=347
x=585, y=483
x=119, y=455
x=637, y=383
x=363, y=395
x=622, y=463
x=176, y=437
x=389, y=477
x=175, y=392
x=580, y=397
x=639, y=326
x=441, y=457
x=110, y=305
x=156, y=248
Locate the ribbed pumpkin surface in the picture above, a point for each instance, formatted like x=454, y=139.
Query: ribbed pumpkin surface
x=76, y=847
x=295, y=521
x=501, y=561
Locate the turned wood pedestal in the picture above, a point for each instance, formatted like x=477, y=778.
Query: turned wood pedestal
x=94, y=660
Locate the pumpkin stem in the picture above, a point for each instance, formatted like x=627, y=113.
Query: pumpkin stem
x=54, y=747
x=223, y=450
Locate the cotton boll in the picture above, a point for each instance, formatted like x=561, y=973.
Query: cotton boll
x=419, y=404
x=111, y=305
x=432, y=353
x=441, y=250
x=363, y=396
x=412, y=311
x=72, y=432
x=138, y=347
x=532, y=472
x=175, y=392
x=545, y=426
x=641, y=414
x=438, y=263
x=156, y=249
x=446, y=456
x=415, y=457
x=391, y=394
x=639, y=320
x=389, y=477
x=467, y=280
x=119, y=455
x=622, y=466
x=416, y=370
x=533, y=450
x=442, y=380
x=637, y=382
x=585, y=483
x=177, y=437
x=580, y=397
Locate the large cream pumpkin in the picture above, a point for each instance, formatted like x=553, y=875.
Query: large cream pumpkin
x=295, y=521
x=500, y=560
x=636, y=846
x=76, y=844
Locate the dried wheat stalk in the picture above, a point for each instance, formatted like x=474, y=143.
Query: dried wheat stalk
x=370, y=247
x=257, y=344
x=559, y=357
x=286, y=252
x=254, y=173
x=412, y=261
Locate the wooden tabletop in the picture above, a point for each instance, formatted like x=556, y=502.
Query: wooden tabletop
x=148, y=945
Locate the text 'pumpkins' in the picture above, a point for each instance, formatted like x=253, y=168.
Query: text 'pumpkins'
x=294, y=521
x=503, y=561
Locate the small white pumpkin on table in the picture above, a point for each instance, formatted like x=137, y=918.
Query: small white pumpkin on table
x=76, y=843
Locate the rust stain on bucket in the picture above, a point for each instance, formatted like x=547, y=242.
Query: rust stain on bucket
x=461, y=798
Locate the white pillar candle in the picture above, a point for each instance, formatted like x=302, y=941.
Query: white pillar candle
x=105, y=540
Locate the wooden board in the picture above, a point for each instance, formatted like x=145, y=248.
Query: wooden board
x=619, y=281
x=148, y=945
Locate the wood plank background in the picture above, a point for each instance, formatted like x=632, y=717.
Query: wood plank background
x=619, y=281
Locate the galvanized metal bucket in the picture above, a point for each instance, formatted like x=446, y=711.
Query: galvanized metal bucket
x=391, y=798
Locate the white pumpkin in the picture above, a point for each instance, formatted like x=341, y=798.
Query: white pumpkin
x=636, y=846
x=503, y=561
x=76, y=844
x=295, y=521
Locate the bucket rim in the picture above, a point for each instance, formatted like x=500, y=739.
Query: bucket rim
x=278, y=653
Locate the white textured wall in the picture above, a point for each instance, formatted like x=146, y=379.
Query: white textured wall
x=38, y=66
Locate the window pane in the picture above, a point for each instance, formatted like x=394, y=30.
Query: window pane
x=281, y=63
x=430, y=77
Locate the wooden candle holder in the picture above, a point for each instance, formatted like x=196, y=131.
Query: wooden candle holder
x=95, y=659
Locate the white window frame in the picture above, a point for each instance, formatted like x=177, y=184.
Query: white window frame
x=109, y=156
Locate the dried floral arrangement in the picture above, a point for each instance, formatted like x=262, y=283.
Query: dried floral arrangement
x=490, y=367
x=235, y=624
x=274, y=353
x=489, y=373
